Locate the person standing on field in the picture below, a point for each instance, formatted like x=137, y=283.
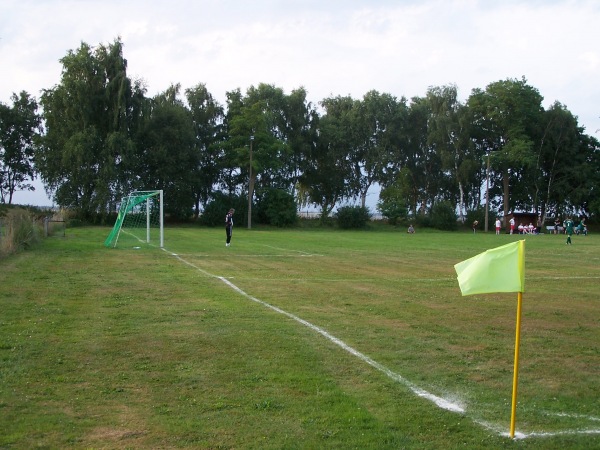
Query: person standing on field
x=498, y=225
x=229, y=226
x=569, y=229
x=512, y=225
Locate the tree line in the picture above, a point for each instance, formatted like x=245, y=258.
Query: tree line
x=99, y=137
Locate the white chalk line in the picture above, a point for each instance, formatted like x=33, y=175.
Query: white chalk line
x=441, y=402
x=288, y=250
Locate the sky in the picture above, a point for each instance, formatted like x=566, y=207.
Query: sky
x=329, y=47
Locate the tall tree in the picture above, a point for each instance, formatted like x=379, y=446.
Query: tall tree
x=88, y=117
x=207, y=117
x=323, y=182
x=508, y=117
x=377, y=117
x=328, y=169
x=449, y=134
x=422, y=164
x=20, y=126
x=301, y=131
x=557, y=159
x=168, y=154
x=274, y=121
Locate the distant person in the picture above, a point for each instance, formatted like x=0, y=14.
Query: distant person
x=582, y=228
x=411, y=230
x=498, y=225
x=569, y=229
x=557, y=226
x=521, y=228
x=512, y=225
x=229, y=226
x=475, y=224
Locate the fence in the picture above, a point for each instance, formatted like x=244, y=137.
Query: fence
x=49, y=228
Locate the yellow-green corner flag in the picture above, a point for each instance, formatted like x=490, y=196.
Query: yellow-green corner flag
x=500, y=269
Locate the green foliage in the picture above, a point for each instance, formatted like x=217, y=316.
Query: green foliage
x=168, y=155
x=392, y=204
x=20, y=126
x=278, y=208
x=105, y=138
x=19, y=231
x=443, y=216
x=475, y=215
x=353, y=217
x=216, y=209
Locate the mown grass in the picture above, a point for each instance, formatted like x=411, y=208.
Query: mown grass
x=138, y=348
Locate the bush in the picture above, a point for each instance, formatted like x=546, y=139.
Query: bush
x=19, y=231
x=392, y=211
x=475, y=215
x=443, y=216
x=352, y=217
x=215, y=211
x=277, y=207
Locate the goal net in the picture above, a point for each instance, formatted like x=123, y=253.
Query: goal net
x=140, y=220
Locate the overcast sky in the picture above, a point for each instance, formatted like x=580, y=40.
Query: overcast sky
x=330, y=47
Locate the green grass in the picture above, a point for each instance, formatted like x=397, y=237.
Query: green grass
x=138, y=348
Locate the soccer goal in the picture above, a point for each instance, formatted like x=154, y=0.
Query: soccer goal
x=140, y=218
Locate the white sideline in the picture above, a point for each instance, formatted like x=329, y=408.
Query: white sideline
x=439, y=401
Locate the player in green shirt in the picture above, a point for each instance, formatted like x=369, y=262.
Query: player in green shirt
x=569, y=229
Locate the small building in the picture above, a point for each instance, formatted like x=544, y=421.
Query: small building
x=524, y=218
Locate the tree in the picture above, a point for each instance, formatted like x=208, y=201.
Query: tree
x=281, y=129
x=448, y=133
x=422, y=164
x=207, y=117
x=557, y=160
x=90, y=117
x=327, y=173
x=507, y=117
x=20, y=126
x=301, y=134
x=377, y=117
x=168, y=155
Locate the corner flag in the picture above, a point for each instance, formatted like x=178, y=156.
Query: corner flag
x=500, y=269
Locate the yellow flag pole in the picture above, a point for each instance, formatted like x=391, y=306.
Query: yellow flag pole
x=516, y=370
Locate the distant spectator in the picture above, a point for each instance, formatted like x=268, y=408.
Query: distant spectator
x=530, y=228
x=411, y=229
x=475, y=224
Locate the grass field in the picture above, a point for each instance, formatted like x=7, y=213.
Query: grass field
x=295, y=339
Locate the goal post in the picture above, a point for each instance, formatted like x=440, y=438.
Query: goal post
x=140, y=217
